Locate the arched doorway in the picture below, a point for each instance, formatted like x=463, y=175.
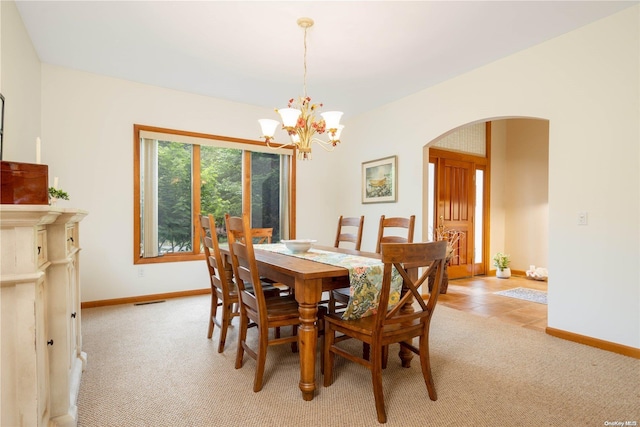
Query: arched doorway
x=506, y=204
x=508, y=209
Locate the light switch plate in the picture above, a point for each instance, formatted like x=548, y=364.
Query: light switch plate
x=582, y=218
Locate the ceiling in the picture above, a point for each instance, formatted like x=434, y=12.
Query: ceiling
x=360, y=54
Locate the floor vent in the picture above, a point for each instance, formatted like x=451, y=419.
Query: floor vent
x=149, y=302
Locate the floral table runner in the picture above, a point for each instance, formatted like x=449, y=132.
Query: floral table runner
x=365, y=277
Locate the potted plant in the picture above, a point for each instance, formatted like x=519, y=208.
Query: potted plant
x=55, y=194
x=501, y=263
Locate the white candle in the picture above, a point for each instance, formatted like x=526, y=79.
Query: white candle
x=55, y=182
x=38, y=149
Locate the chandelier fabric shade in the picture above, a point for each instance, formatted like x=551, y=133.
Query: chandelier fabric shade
x=299, y=118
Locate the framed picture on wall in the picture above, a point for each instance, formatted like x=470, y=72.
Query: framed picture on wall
x=380, y=180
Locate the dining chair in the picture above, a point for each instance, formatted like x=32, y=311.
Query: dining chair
x=223, y=291
x=391, y=230
x=392, y=324
x=265, y=313
x=350, y=234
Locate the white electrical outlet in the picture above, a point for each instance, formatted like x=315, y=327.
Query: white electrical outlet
x=582, y=218
x=140, y=271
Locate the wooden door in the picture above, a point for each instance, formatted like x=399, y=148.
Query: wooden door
x=455, y=207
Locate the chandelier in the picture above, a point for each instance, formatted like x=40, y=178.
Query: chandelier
x=299, y=120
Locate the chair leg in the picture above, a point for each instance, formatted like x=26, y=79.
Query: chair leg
x=212, y=314
x=329, y=337
x=385, y=356
x=226, y=320
x=294, y=345
x=331, y=305
x=242, y=337
x=322, y=344
x=261, y=357
x=366, y=354
x=376, y=377
x=425, y=363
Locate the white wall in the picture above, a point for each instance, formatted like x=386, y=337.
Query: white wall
x=498, y=204
x=586, y=83
x=527, y=193
x=20, y=83
x=520, y=192
x=91, y=119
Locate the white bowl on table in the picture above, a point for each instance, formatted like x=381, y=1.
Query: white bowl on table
x=298, y=246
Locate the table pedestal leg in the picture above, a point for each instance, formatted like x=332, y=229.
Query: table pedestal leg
x=308, y=295
x=308, y=342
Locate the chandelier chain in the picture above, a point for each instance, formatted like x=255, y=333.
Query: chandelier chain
x=304, y=81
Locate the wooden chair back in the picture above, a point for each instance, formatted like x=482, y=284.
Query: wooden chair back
x=404, y=257
x=215, y=263
x=350, y=235
x=260, y=235
x=245, y=267
x=395, y=225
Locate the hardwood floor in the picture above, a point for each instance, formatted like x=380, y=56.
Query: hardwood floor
x=476, y=295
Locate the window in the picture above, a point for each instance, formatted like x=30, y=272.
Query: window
x=178, y=175
x=267, y=201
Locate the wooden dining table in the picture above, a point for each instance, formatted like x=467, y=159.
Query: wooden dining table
x=309, y=279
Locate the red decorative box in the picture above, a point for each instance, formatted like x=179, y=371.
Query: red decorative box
x=24, y=184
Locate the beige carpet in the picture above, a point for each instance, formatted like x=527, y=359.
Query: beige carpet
x=152, y=365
